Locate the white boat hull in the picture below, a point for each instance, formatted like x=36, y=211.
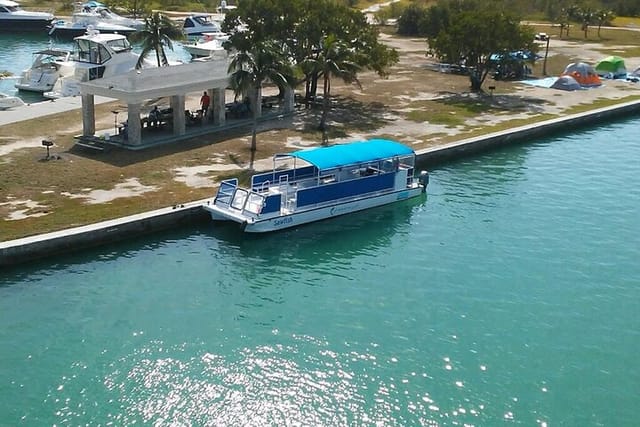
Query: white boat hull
x=280, y=222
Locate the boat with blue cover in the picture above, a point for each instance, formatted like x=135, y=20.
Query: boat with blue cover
x=315, y=184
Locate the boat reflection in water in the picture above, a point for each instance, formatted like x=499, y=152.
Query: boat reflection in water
x=313, y=245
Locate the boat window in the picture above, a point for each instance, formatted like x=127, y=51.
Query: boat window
x=239, y=198
x=254, y=204
x=103, y=55
x=119, y=45
x=202, y=20
x=188, y=23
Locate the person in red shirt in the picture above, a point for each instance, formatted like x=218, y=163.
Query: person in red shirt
x=204, y=103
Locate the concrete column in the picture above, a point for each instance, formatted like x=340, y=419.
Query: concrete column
x=209, y=117
x=218, y=108
x=88, y=115
x=133, y=124
x=177, y=104
x=289, y=99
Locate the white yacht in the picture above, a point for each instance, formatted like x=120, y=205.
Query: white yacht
x=13, y=18
x=97, y=16
x=209, y=45
x=195, y=25
x=44, y=70
x=95, y=55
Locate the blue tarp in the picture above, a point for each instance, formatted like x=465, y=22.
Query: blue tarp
x=352, y=153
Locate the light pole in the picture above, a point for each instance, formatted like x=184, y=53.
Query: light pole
x=115, y=121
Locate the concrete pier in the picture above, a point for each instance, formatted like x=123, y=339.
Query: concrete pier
x=29, y=248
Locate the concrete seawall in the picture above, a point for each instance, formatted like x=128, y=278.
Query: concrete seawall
x=525, y=133
x=73, y=239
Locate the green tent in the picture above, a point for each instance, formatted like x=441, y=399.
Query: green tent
x=613, y=65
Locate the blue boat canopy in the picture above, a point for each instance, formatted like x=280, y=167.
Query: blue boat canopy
x=352, y=153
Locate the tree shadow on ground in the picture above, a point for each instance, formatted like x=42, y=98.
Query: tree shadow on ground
x=481, y=102
x=346, y=115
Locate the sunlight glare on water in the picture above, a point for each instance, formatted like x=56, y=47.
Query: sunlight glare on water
x=508, y=295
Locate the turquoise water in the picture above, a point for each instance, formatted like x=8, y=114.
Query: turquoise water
x=509, y=295
x=16, y=55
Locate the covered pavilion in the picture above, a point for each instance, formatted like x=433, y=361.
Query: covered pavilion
x=175, y=82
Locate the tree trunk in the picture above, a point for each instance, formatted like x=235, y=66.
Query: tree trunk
x=325, y=103
x=253, y=142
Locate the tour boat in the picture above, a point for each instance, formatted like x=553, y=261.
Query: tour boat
x=315, y=184
x=14, y=18
x=44, y=70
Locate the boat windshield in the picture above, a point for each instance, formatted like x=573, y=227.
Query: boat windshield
x=203, y=20
x=119, y=45
x=90, y=51
x=9, y=9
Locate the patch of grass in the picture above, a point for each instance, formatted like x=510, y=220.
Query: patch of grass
x=600, y=103
x=626, y=21
x=612, y=38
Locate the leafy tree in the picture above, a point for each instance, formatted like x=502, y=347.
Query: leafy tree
x=603, y=17
x=586, y=17
x=474, y=35
x=158, y=32
x=335, y=59
x=250, y=69
x=300, y=26
x=134, y=8
x=409, y=22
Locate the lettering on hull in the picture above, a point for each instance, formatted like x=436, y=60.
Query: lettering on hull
x=283, y=221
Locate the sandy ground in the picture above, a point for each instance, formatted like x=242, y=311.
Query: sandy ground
x=523, y=101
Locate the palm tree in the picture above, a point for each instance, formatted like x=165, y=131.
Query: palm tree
x=157, y=33
x=334, y=59
x=250, y=69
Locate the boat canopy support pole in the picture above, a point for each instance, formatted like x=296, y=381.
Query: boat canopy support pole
x=88, y=115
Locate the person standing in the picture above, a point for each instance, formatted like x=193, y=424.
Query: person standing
x=204, y=103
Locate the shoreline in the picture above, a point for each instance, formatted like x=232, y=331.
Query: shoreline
x=22, y=250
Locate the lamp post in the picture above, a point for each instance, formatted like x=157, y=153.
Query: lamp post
x=115, y=121
x=546, y=52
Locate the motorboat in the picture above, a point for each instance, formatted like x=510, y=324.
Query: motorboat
x=44, y=70
x=195, y=25
x=79, y=25
x=94, y=55
x=97, y=16
x=106, y=15
x=14, y=18
x=320, y=183
x=208, y=45
x=8, y=101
